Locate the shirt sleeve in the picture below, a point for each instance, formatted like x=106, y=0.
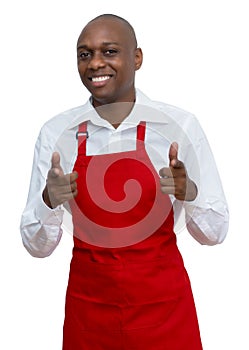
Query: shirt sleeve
x=40, y=226
x=207, y=217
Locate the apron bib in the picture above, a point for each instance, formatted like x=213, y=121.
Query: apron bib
x=128, y=288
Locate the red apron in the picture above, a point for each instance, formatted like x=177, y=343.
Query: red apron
x=128, y=288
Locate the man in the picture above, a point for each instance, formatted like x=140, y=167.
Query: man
x=124, y=167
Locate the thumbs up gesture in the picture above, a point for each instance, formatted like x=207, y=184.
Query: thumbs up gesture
x=174, y=179
x=60, y=187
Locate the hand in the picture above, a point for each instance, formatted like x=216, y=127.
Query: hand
x=174, y=179
x=60, y=187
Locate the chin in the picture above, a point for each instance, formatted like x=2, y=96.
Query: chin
x=101, y=99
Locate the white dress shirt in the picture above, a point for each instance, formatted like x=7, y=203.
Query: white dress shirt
x=206, y=218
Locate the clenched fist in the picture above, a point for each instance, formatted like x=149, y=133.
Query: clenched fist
x=174, y=179
x=60, y=187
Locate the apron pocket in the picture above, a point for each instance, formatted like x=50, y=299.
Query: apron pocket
x=148, y=315
x=84, y=315
x=154, y=281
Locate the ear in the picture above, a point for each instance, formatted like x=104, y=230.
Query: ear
x=138, y=58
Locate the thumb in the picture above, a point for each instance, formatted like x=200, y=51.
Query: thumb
x=173, y=153
x=55, y=163
x=174, y=162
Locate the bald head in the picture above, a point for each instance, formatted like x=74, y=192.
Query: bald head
x=126, y=26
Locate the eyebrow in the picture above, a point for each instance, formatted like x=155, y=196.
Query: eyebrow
x=104, y=43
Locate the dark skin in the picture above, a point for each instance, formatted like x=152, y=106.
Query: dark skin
x=175, y=180
x=60, y=187
x=107, y=61
x=107, y=50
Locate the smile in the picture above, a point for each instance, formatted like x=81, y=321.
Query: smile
x=102, y=78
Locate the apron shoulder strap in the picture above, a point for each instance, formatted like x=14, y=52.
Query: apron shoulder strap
x=141, y=134
x=81, y=136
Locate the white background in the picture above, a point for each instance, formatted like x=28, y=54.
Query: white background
x=195, y=57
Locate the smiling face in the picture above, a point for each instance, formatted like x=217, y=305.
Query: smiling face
x=107, y=60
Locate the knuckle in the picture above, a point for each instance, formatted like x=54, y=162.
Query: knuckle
x=164, y=189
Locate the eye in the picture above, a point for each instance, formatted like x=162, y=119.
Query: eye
x=84, y=55
x=110, y=52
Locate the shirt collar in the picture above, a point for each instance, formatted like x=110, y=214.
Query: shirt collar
x=143, y=110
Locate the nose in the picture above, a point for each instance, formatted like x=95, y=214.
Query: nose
x=97, y=61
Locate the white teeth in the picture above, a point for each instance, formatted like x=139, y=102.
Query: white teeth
x=96, y=79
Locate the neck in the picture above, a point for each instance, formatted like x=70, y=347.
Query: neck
x=115, y=110
x=115, y=113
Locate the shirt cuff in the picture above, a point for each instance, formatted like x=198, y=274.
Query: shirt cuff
x=46, y=215
x=208, y=226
